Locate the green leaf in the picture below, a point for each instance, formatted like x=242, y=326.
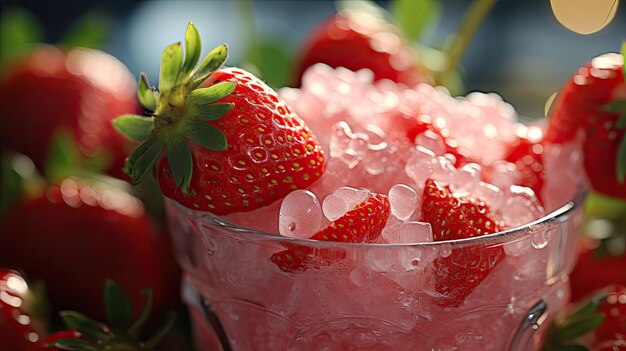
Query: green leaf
x=193, y=47
x=213, y=61
x=273, y=60
x=415, y=16
x=73, y=345
x=211, y=94
x=161, y=332
x=18, y=29
x=208, y=136
x=134, y=127
x=90, y=30
x=118, y=310
x=147, y=96
x=620, y=165
x=577, y=328
x=63, y=156
x=181, y=164
x=135, y=329
x=170, y=66
x=571, y=348
x=208, y=112
x=141, y=164
x=618, y=106
x=85, y=325
x=621, y=122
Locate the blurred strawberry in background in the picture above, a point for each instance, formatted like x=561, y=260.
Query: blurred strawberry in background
x=79, y=89
x=358, y=38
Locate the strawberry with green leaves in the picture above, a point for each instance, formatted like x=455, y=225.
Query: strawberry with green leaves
x=219, y=139
x=593, y=102
x=598, y=324
x=91, y=231
x=363, y=224
x=123, y=331
x=452, y=218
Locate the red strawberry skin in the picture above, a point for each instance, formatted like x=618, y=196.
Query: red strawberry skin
x=79, y=89
x=451, y=218
x=358, y=42
x=526, y=154
x=270, y=152
x=594, y=271
x=14, y=336
x=580, y=107
x=76, y=236
x=423, y=124
x=64, y=334
x=362, y=224
x=613, y=309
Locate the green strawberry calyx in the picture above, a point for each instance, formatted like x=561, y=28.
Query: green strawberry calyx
x=177, y=111
x=619, y=107
x=564, y=334
x=122, y=333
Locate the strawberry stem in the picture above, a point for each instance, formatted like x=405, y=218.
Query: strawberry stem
x=470, y=23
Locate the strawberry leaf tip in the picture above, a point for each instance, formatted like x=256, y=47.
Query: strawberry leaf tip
x=181, y=164
x=134, y=127
x=121, y=333
x=143, y=159
x=147, y=95
x=118, y=310
x=73, y=344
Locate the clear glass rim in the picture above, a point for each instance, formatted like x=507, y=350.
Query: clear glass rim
x=493, y=238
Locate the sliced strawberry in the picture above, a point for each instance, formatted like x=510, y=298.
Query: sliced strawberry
x=362, y=224
x=589, y=104
x=454, y=218
x=526, y=153
x=219, y=138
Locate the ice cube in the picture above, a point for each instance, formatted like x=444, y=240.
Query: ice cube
x=521, y=206
x=465, y=179
x=403, y=201
x=352, y=196
x=490, y=194
x=431, y=141
x=300, y=214
x=408, y=232
x=334, y=206
x=420, y=166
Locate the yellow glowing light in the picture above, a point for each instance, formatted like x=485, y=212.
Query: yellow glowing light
x=549, y=102
x=584, y=16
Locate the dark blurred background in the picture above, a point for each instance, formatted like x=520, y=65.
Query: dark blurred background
x=520, y=51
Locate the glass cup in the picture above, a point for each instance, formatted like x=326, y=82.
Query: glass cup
x=370, y=296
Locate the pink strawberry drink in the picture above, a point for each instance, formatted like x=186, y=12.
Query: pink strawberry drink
x=428, y=278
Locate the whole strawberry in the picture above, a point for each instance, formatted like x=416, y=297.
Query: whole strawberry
x=81, y=90
x=451, y=218
x=356, y=40
x=18, y=329
x=77, y=234
x=220, y=139
x=592, y=103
